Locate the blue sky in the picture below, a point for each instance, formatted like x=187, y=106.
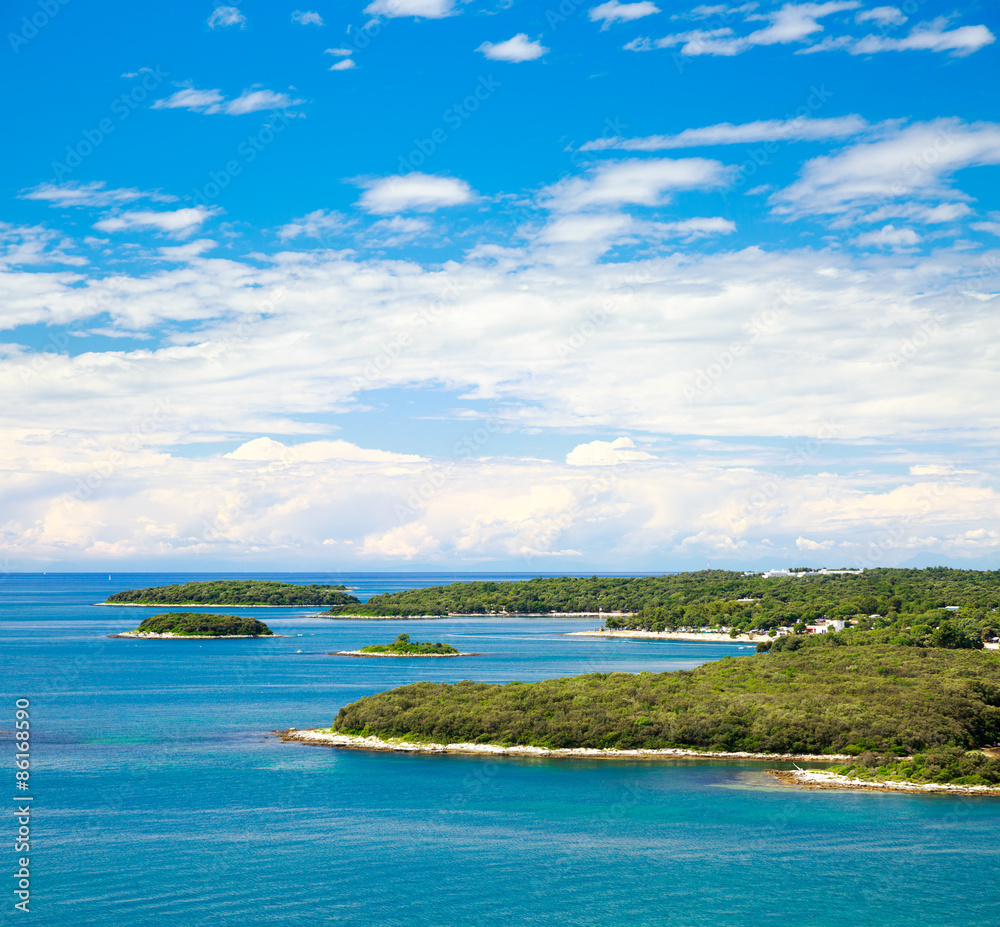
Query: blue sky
x=549, y=287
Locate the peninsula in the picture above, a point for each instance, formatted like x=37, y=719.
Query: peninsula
x=196, y=624
x=402, y=646
x=920, y=713
x=241, y=593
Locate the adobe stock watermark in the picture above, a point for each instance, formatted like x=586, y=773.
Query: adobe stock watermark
x=121, y=108
x=705, y=379
x=430, y=485
x=454, y=117
x=798, y=458
x=374, y=369
x=114, y=459
x=45, y=12
x=247, y=151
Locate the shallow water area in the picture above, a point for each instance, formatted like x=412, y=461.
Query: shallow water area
x=161, y=799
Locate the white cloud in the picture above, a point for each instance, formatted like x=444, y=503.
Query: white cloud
x=339, y=52
x=697, y=227
x=398, y=230
x=918, y=212
x=914, y=161
x=317, y=224
x=517, y=49
x=226, y=16
x=636, y=182
x=345, y=64
x=93, y=193
x=188, y=252
x=798, y=23
x=992, y=227
x=888, y=237
x=25, y=245
x=420, y=9
x=180, y=222
x=615, y=12
x=725, y=133
x=606, y=453
x=883, y=15
x=413, y=192
x=213, y=102
x=790, y=23
x=805, y=544
x=306, y=18
x=267, y=449
x=931, y=36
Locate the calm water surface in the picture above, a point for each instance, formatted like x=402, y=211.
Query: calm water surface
x=160, y=799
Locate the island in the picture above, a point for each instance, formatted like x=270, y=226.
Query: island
x=908, y=603
x=237, y=593
x=896, y=713
x=198, y=625
x=402, y=646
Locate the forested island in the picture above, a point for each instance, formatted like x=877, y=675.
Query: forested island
x=895, y=599
x=236, y=593
x=195, y=624
x=920, y=711
x=402, y=646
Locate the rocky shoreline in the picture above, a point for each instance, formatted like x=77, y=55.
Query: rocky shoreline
x=329, y=738
x=823, y=779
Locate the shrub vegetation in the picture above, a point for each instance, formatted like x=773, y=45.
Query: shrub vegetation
x=202, y=625
x=235, y=592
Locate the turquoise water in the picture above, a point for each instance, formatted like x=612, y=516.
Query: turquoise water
x=160, y=799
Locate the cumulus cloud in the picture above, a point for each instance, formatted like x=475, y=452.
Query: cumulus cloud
x=883, y=15
x=413, y=192
x=606, y=453
x=915, y=161
x=615, y=12
x=213, y=102
x=419, y=9
x=799, y=24
x=188, y=252
x=725, y=133
x=517, y=49
x=346, y=62
x=179, y=222
x=226, y=16
x=306, y=18
x=888, y=237
x=933, y=36
x=633, y=182
x=319, y=223
x=92, y=193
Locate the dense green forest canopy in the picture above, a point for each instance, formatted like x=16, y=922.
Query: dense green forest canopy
x=403, y=645
x=822, y=698
x=194, y=624
x=235, y=592
x=720, y=598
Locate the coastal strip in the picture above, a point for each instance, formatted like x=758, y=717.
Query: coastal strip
x=823, y=779
x=340, y=615
x=398, y=656
x=170, y=636
x=707, y=637
x=194, y=605
x=329, y=738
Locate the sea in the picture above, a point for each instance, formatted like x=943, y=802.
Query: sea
x=160, y=797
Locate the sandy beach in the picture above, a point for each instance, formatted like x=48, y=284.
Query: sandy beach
x=328, y=738
x=673, y=636
x=821, y=779
x=398, y=656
